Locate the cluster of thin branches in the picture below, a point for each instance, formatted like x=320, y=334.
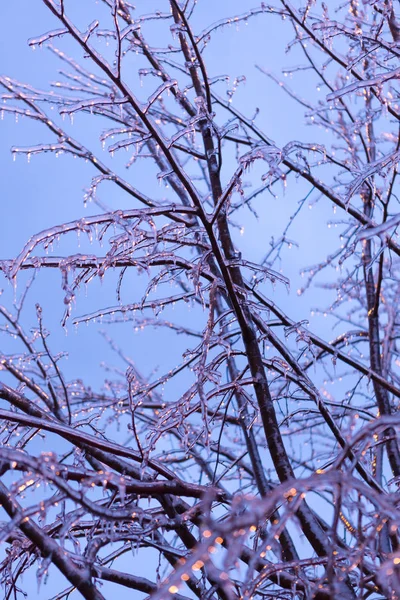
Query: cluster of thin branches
x=242, y=474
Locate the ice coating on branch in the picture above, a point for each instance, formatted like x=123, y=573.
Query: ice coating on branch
x=38, y=41
x=271, y=154
x=364, y=83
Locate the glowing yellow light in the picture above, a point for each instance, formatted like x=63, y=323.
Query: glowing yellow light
x=198, y=565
